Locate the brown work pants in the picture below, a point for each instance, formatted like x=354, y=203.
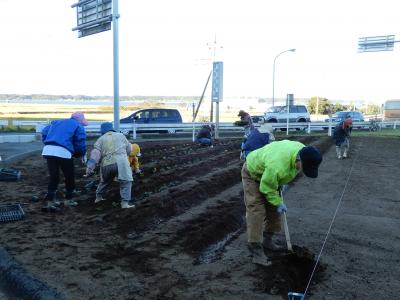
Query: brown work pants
x=260, y=214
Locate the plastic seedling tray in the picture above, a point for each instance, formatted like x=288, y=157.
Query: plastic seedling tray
x=11, y=212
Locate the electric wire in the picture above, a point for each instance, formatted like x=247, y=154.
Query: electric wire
x=330, y=227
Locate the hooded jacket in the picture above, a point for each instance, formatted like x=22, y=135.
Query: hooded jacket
x=133, y=157
x=67, y=133
x=274, y=165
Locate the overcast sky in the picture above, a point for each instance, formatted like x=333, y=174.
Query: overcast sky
x=163, y=48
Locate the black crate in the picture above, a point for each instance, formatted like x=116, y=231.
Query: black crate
x=9, y=174
x=11, y=212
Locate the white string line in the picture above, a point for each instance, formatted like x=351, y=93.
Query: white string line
x=330, y=226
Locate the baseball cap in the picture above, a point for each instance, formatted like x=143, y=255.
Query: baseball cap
x=310, y=160
x=80, y=117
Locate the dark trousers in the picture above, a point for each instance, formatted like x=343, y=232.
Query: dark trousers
x=54, y=164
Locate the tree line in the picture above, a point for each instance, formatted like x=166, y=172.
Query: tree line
x=325, y=107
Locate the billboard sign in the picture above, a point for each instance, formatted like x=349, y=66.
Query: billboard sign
x=217, y=81
x=93, y=16
x=376, y=43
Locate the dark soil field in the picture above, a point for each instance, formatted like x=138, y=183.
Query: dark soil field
x=186, y=238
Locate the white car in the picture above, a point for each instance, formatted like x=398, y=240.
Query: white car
x=278, y=114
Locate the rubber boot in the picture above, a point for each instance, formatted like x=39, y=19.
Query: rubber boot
x=69, y=195
x=258, y=254
x=99, y=198
x=269, y=243
x=51, y=204
x=345, y=153
x=126, y=204
x=338, y=152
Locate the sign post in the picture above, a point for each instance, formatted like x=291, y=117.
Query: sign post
x=95, y=16
x=217, y=90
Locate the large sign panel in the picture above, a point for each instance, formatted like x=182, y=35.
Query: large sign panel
x=376, y=43
x=93, y=16
x=217, y=80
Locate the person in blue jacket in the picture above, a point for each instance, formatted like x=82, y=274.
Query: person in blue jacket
x=63, y=140
x=258, y=137
x=204, y=136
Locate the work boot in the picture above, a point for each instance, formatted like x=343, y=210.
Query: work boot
x=126, y=204
x=51, y=207
x=70, y=203
x=258, y=254
x=99, y=198
x=345, y=154
x=338, y=152
x=269, y=243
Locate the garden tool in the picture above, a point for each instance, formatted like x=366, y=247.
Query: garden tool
x=285, y=225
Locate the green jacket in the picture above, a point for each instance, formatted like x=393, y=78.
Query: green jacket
x=274, y=165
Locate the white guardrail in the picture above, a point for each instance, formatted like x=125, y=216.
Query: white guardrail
x=224, y=127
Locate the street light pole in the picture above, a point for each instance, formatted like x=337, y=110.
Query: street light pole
x=273, y=74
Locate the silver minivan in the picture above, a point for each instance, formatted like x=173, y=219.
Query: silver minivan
x=278, y=114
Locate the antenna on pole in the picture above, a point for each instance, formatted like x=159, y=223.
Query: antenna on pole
x=213, y=46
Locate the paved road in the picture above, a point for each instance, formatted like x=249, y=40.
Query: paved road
x=9, y=152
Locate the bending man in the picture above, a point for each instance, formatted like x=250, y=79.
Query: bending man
x=265, y=170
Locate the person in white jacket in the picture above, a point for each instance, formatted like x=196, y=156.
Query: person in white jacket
x=111, y=150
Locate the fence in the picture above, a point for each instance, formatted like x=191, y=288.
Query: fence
x=224, y=128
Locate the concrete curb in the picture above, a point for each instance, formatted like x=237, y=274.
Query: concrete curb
x=19, y=284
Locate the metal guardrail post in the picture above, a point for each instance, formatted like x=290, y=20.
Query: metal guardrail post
x=193, y=132
x=309, y=128
x=134, y=130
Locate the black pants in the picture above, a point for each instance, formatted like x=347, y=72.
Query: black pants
x=54, y=164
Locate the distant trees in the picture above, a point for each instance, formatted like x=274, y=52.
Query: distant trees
x=325, y=106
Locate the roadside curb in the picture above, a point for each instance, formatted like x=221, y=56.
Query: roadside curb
x=19, y=284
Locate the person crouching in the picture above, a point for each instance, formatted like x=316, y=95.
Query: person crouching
x=112, y=150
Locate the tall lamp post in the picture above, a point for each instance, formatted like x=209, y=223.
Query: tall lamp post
x=273, y=74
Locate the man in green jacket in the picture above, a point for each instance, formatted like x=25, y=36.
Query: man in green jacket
x=265, y=170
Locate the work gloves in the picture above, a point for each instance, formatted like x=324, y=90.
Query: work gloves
x=90, y=165
x=281, y=208
x=138, y=172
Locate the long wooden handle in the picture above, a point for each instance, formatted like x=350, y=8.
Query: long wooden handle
x=289, y=244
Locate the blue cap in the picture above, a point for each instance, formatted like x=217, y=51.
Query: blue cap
x=106, y=127
x=310, y=160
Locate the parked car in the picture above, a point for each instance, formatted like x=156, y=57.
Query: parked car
x=154, y=116
x=340, y=116
x=278, y=114
x=258, y=119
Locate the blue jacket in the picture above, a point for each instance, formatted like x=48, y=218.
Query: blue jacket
x=67, y=133
x=254, y=141
x=205, y=132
